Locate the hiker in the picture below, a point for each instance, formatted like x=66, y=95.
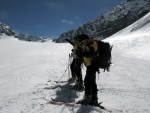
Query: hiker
x=76, y=63
x=90, y=55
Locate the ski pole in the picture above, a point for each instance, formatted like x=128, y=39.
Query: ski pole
x=69, y=62
x=66, y=69
x=63, y=74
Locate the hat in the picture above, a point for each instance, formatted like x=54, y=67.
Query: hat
x=83, y=37
x=75, y=38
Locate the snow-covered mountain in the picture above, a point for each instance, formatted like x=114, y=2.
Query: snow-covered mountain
x=27, y=37
x=4, y=29
x=28, y=72
x=111, y=21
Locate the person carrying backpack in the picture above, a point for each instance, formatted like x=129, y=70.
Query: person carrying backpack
x=76, y=64
x=90, y=55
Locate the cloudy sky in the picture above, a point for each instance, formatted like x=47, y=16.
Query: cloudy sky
x=50, y=18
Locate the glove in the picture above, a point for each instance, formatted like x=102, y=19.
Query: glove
x=67, y=39
x=84, y=54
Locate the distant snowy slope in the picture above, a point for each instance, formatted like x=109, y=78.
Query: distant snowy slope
x=135, y=39
x=142, y=25
x=6, y=30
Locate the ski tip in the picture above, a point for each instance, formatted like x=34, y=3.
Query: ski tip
x=100, y=103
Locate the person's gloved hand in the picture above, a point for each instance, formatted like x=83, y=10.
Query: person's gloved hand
x=67, y=39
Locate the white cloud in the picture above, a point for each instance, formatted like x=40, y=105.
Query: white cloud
x=56, y=6
x=78, y=18
x=67, y=21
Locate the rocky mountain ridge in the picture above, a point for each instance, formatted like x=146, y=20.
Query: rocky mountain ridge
x=4, y=29
x=111, y=21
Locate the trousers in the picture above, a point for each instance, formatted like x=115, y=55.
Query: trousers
x=90, y=81
x=76, y=69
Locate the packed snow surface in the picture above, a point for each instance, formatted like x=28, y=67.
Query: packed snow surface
x=28, y=71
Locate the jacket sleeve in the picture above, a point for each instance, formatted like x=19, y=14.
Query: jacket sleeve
x=70, y=42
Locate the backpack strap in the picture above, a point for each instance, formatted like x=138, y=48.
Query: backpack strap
x=92, y=53
x=91, y=43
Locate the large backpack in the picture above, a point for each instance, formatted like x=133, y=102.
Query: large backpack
x=104, y=59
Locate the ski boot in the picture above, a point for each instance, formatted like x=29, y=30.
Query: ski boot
x=85, y=101
x=78, y=86
x=94, y=100
x=72, y=79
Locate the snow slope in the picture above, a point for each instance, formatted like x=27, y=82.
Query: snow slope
x=28, y=71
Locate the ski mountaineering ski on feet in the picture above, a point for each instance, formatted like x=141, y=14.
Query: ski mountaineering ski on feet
x=61, y=103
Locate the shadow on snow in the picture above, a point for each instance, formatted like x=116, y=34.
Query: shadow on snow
x=64, y=93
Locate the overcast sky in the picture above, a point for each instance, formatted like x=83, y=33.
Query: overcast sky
x=50, y=18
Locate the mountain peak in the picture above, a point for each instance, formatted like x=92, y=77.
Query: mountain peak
x=6, y=30
x=111, y=21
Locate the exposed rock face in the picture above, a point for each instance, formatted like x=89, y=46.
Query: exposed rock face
x=6, y=30
x=27, y=37
x=112, y=21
